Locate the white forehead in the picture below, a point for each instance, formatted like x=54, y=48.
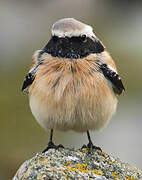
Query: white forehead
x=71, y=27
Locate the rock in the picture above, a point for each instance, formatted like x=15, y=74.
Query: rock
x=79, y=164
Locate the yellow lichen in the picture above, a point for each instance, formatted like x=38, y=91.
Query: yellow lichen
x=41, y=158
x=85, y=150
x=103, y=153
x=99, y=150
x=71, y=168
x=103, y=157
x=113, y=162
x=79, y=167
x=83, y=168
x=68, y=162
x=44, y=162
x=96, y=171
x=52, y=168
x=81, y=155
x=116, y=176
x=129, y=178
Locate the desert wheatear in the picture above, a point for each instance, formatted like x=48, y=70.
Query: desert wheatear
x=73, y=82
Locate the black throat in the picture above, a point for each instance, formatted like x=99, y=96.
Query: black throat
x=73, y=47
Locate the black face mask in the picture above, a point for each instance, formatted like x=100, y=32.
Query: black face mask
x=73, y=47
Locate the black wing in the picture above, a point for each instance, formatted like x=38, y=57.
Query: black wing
x=28, y=81
x=113, y=77
x=31, y=75
x=29, y=78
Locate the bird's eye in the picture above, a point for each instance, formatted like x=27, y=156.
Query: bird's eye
x=84, y=38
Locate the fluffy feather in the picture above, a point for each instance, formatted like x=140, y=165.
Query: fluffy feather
x=71, y=95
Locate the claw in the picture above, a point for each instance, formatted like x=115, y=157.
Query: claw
x=51, y=145
x=92, y=147
x=84, y=146
x=59, y=146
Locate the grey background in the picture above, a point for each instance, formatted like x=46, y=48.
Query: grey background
x=25, y=27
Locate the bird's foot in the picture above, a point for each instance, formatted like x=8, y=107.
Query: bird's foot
x=92, y=147
x=84, y=146
x=51, y=145
x=59, y=146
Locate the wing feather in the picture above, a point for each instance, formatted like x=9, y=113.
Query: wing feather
x=29, y=78
x=27, y=81
x=113, y=77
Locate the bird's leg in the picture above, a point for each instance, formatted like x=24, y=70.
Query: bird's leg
x=51, y=145
x=90, y=144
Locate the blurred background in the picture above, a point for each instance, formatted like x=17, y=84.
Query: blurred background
x=25, y=27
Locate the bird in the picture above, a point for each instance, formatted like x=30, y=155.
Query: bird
x=73, y=82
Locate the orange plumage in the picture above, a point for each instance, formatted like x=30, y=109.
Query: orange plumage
x=73, y=82
x=71, y=94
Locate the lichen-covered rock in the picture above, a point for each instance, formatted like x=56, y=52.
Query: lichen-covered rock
x=76, y=164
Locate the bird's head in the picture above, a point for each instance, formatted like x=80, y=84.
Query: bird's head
x=72, y=39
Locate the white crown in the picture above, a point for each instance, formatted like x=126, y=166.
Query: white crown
x=71, y=27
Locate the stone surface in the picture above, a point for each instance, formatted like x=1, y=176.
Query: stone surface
x=76, y=164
